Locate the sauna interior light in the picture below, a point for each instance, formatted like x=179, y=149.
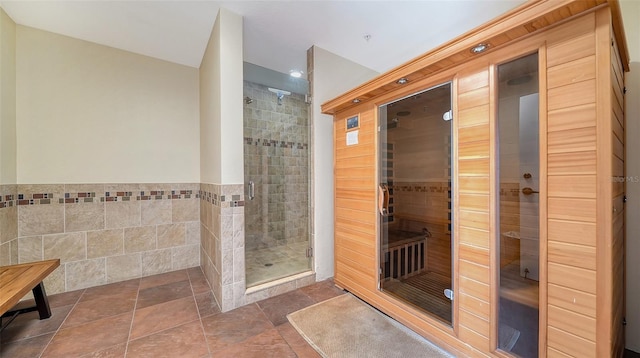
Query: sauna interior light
x=479, y=48
x=295, y=73
x=402, y=81
x=356, y=100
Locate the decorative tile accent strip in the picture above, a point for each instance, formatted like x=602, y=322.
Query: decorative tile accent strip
x=275, y=143
x=35, y=199
x=220, y=200
x=7, y=201
x=109, y=196
x=420, y=188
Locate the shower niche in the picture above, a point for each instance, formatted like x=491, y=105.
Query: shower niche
x=277, y=175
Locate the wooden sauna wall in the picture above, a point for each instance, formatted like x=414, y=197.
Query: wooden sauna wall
x=581, y=284
x=571, y=221
x=355, y=204
x=617, y=254
x=473, y=206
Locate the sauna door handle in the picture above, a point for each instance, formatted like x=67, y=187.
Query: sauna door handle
x=529, y=191
x=383, y=199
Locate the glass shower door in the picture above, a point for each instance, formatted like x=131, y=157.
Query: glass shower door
x=277, y=170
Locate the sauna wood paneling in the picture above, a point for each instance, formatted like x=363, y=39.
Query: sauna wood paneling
x=572, y=186
x=572, y=189
x=569, y=321
x=572, y=254
x=574, y=232
x=572, y=277
x=473, y=183
x=572, y=163
x=572, y=118
x=583, y=76
x=572, y=300
x=476, y=202
x=617, y=246
x=570, y=344
x=578, y=70
x=573, y=49
x=354, y=180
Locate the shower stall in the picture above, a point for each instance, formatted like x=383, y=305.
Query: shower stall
x=276, y=172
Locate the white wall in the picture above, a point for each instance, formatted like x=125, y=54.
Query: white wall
x=221, y=111
x=631, y=19
x=88, y=113
x=7, y=99
x=332, y=76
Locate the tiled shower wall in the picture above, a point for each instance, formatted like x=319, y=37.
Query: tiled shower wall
x=8, y=225
x=276, y=149
x=106, y=233
x=222, y=222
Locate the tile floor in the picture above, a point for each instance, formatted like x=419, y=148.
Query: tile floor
x=167, y=315
x=271, y=263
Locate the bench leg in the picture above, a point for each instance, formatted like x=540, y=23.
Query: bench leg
x=42, y=302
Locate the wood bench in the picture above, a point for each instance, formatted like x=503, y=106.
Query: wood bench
x=17, y=280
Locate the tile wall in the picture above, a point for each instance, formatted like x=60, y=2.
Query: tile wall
x=222, y=232
x=8, y=225
x=509, y=222
x=222, y=251
x=105, y=233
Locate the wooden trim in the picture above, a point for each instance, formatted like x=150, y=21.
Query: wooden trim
x=542, y=203
x=455, y=209
x=494, y=211
x=603, y=192
x=618, y=31
x=533, y=16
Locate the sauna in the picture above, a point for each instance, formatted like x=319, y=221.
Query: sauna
x=479, y=188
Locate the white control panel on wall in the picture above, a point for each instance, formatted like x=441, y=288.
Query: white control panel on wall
x=352, y=137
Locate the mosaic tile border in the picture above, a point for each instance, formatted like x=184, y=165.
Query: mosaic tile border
x=220, y=200
x=420, y=188
x=7, y=201
x=275, y=143
x=108, y=196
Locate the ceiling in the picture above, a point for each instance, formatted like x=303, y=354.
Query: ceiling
x=379, y=35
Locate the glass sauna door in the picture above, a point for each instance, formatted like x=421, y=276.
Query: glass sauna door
x=519, y=244
x=415, y=200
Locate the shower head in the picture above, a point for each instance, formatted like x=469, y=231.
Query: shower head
x=279, y=92
x=248, y=100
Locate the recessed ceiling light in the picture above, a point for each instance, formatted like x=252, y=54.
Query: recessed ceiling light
x=402, y=81
x=356, y=100
x=295, y=73
x=479, y=48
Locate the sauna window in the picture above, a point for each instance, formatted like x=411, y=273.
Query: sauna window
x=415, y=200
x=519, y=181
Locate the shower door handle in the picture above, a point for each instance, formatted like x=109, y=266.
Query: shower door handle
x=383, y=199
x=529, y=191
x=252, y=190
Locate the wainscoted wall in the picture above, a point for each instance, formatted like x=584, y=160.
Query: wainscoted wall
x=105, y=233
x=222, y=232
x=222, y=251
x=8, y=225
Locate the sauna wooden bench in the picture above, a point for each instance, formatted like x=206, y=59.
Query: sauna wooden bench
x=17, y=280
